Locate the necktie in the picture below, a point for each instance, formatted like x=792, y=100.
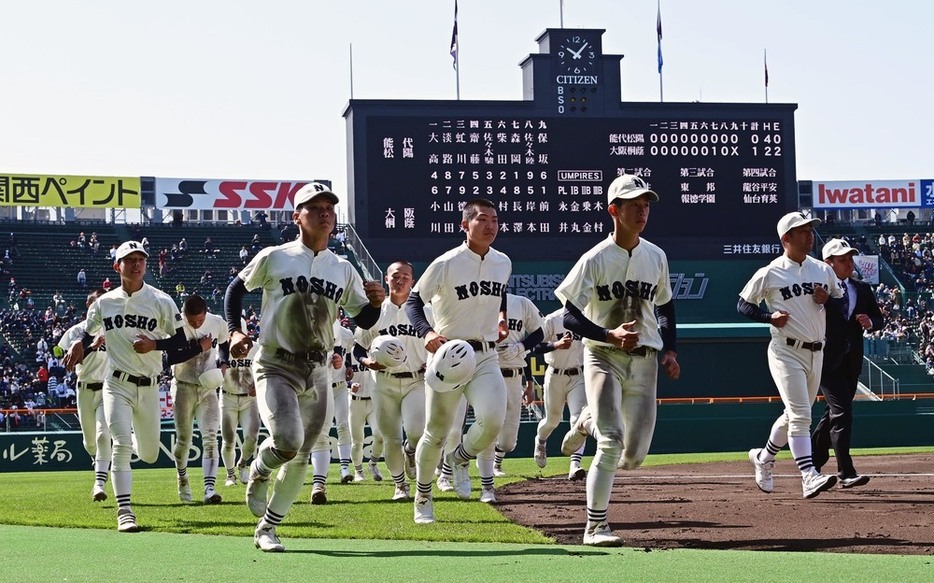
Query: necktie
x=846, y=300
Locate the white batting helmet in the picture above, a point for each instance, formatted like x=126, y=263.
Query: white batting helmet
x=211, y=379
x=451, y=366
x=388, y=351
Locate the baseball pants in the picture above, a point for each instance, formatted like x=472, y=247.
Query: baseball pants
x=399, y=404
x=796, y=373
x=134, y=418
x=94, y=432
x=362, y=411
x=561, y=388
x=509, y=434
x=191, y=401
x=238, y=410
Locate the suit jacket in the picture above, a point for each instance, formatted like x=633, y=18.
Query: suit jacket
x=843, y=351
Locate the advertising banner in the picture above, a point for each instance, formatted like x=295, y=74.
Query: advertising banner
x=57, y=190
x=849, y=194
x=208, y=195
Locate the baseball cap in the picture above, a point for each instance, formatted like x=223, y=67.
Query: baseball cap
x=312, y=190
x=836, y=247
x=792, y=220
x=451, y=366
x=628, y=187
x=128, y=247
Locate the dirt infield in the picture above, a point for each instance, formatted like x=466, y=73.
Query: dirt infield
x=717, y=506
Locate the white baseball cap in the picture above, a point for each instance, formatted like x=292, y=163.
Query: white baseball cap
x=451, y=366
x=313, y=190
x=128, y=247
x=628, y=187
x=795, y=219
x=387, y=351
x=211, y=379
x=836, y=247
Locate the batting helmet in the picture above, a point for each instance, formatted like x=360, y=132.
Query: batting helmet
x=211, y=379
x=388, y=351
x=451, y=366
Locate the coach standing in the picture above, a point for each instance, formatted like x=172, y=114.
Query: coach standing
x=843, y=361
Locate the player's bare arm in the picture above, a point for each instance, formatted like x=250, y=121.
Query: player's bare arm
x=433, y=341
x=670, y=364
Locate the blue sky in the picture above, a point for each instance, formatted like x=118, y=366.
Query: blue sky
x=239, y=89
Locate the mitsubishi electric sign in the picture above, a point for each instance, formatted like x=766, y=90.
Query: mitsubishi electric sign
x=876, y=194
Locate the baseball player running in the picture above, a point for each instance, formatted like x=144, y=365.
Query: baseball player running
x=525, y=333
x=320, y=458
x=238, y=407
x=399, y=390
x=193, y=399
x=794, y=288
x=303, y=286
x=91, y=372
x=466, y=288
x=619, y=284
x=564, y=382
x=361, y=414
x=137, y=321
x=344, y=338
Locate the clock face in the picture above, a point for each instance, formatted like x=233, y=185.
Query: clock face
x=577, y=54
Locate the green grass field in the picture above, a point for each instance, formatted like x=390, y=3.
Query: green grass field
x=53, y=532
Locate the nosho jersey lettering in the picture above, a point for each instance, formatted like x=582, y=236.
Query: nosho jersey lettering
x=629, y=289
x=399, y=330
x=130, y=321
x=315, y=285
x=479, y=288
x=804, y=288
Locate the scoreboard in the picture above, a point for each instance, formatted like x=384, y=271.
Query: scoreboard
x=724, y=175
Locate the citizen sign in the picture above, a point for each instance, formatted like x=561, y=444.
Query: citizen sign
x=197, y=194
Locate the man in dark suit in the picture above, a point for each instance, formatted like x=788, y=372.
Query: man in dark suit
x=847, y=318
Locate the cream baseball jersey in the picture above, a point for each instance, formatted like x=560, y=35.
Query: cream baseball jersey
x=301, y=295
x=523, y=318
x=393, y=321
x=553, y=328
x=120, y=317
x=93, y=368
x=238, y=378
x=786, y=285
x=465, y=292
x=191, y=369
x=612, y=286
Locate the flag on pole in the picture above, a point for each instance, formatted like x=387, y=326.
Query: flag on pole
x=454, y=37
x=765, y=63
x=658, y=27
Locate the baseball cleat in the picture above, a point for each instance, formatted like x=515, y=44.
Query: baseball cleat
x=266, y=540
x=231, y=480
x=98, y=493
x=358, y=476
x=541, y=453
x=244, y=471
x=424, y=510
x=126, y=521
x=461, y=481
x=409, y=463
x=488, y=495
x=211, y=496
x=184, y=490
x=256, y=488
x=498, y=471
x=444, y=484
x=319, y=494
x=576, y=473
x=402, y=492
x=600, y=535
x=763, y=471
x=578, y=434
x=814, y=484
x=346, y=476
x=374, y=471
x=854, y=481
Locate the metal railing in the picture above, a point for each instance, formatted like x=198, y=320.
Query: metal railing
x=371, y=270
x=877, y=380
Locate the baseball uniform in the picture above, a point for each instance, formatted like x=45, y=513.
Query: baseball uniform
x=238, y=407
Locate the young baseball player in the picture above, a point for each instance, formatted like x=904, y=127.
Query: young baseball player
x=192, y=399
x=794, y=288
x=564, y=383
x=238, y=407
x=466, y=288
x=344, y=338
x=91, y=372
x=525, y=333
x=303, y=286
x=362, y=414
x=320, y=458
x=610, y=298
x=398, y=391
x=843, y=362
x=138, y=322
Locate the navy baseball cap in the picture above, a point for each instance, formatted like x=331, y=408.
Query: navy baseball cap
x=311, y=191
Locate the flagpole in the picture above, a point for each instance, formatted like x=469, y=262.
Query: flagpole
x=455, y=52
x=351, y=70
x=658, y=28
x=561, y=13
x=765, y=64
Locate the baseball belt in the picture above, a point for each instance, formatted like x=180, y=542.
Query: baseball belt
x=90, y=386
x=403, y=375
x=643, y=351
x=481, y=345
x=568, y=371
x=812, y=346
x=511, y=372
x=314, y=356
x=132, y=378
x=236, y=394
x=356, y=398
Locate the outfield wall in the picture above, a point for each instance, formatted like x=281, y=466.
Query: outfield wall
x=680, y=428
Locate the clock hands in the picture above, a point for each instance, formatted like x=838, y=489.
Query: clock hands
x=577, y=54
